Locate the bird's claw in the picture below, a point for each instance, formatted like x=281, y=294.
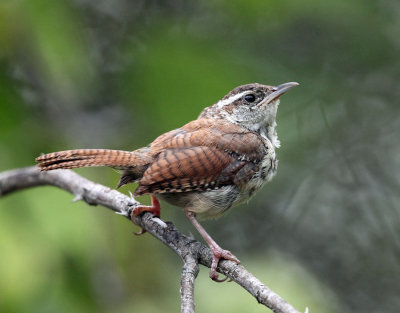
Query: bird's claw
x=154, y=208
x=218, y=254
x=141, y=232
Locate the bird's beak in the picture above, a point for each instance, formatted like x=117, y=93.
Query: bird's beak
x=280, y=90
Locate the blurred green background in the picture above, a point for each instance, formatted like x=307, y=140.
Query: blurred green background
x=117, y=73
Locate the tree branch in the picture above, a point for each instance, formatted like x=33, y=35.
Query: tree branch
x=191, y=251
x=190, y=270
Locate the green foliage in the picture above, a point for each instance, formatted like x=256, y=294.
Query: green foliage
x=116, y=74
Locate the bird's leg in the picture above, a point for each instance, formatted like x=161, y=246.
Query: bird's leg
x=154, y=208
x=218, y=252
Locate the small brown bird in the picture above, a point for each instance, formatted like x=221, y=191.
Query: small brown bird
x=207, y=166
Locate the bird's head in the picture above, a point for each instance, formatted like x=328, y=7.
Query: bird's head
x=252, y=106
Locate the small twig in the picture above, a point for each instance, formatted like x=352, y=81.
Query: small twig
x=190, y=250
x=190, y=270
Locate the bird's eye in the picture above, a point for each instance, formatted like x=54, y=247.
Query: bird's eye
x=250, y=97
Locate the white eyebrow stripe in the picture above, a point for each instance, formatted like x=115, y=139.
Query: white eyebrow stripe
x=231, y=99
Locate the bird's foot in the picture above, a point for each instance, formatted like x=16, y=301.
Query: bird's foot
x=154, y=208
x=219, y=253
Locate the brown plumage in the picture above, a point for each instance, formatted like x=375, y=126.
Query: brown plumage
x=202, y=155
x=89, y=157
x=207, y=166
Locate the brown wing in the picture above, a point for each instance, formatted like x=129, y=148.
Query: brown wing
x=186, y=169
x=204, y=154
x=218, y=134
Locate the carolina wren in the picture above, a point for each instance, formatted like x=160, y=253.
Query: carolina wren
x=207, y=166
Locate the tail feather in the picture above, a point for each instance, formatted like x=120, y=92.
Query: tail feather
x=91, y=157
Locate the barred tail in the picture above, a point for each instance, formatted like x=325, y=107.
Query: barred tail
x=91, y=157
